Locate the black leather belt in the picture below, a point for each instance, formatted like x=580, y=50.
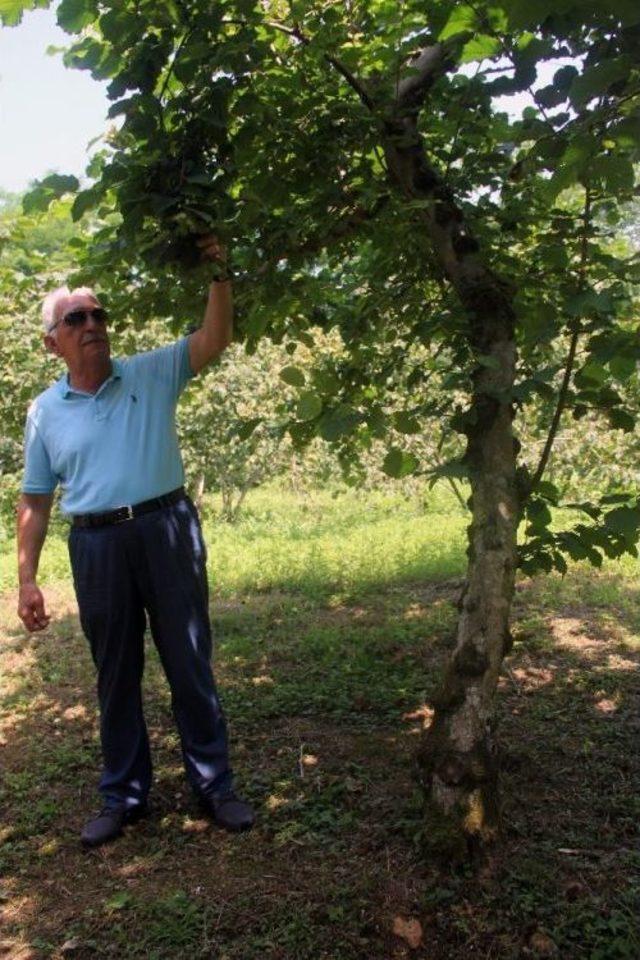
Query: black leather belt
x=127, y=513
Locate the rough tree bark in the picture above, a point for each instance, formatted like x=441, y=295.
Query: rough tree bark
x=457, y=760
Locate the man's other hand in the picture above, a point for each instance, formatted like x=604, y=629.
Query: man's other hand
x=31, y=608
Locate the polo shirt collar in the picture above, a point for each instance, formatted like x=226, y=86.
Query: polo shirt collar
x=66, y=389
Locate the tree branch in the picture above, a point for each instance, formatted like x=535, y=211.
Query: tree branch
x=411, y=91
x=346, y=225
x=409, y=167
x=176, y=54
x=566, y=380
x=351, y=79
x=555, y=423
x=461, y=500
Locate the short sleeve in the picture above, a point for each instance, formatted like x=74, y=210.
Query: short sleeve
x=38, y=475
x=168, y=364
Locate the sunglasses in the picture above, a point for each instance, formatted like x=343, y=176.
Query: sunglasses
x=77, y=317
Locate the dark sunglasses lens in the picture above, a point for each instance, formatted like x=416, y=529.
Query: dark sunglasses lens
x=77, y=317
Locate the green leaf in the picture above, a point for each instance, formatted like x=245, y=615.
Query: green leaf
x=326, y=382
x=617, y=173
x=74, y=15
x=559, y=562
x=376, y=421
x=11, y=11
x=561, y=179
x=523, y=13
x=587, y=302
x=597, y=79
x=537, y=319
x=246, y=428
x=538, y=515
x=405, y=423
x=571, y=165
x=555, y=255
x=579, y=151
x=548, y=491
x=338, y=423
x=305, y=338
x=621, y=420
x=309, y=406
x=623, y=520
x=593, y=371
x=622, y=368
x=616, y=498
x=301, y=434
x=590, y=509
x=293, y=376
x=463, y=19
x=480, y=48
x=572, y=543
x=60, y=183
x=564, y=77
x=84, y=201
x=45, y=191
x=626, y=133
x=399, y=463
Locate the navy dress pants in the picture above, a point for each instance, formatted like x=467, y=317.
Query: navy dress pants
x=151, y=566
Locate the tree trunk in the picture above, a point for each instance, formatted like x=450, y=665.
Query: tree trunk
x=457, y=760
x=227, y=493
x=235, y=512
x=200, y=491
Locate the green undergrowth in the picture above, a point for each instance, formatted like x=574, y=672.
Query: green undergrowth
x=318, y=543
x=315, y=543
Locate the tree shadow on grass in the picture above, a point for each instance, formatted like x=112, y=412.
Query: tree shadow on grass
x=326, y=703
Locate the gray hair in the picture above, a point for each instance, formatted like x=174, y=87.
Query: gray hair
x=51, y=301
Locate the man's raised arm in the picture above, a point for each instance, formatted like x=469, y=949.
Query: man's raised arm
x=216, y=331
x=34, y=510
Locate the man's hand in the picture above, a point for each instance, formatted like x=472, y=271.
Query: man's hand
x=31, y=608
x=215, y=251
x=216, y=331
x=33, y=520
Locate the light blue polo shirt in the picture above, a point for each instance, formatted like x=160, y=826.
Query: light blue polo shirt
x=116, y=447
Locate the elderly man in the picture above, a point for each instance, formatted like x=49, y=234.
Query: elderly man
x=105, y=431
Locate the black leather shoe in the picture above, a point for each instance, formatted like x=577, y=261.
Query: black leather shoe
x=229, y=812
x=109, y=823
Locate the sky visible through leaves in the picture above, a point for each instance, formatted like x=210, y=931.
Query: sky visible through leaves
x=48, y=113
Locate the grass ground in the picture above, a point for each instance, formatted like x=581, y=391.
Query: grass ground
x=332, y=619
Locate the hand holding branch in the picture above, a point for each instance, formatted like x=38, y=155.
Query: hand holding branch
x=213, y=250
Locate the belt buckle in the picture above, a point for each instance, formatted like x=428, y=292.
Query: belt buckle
x=128, y=514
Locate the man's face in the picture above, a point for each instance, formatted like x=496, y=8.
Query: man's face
x=81, y=344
